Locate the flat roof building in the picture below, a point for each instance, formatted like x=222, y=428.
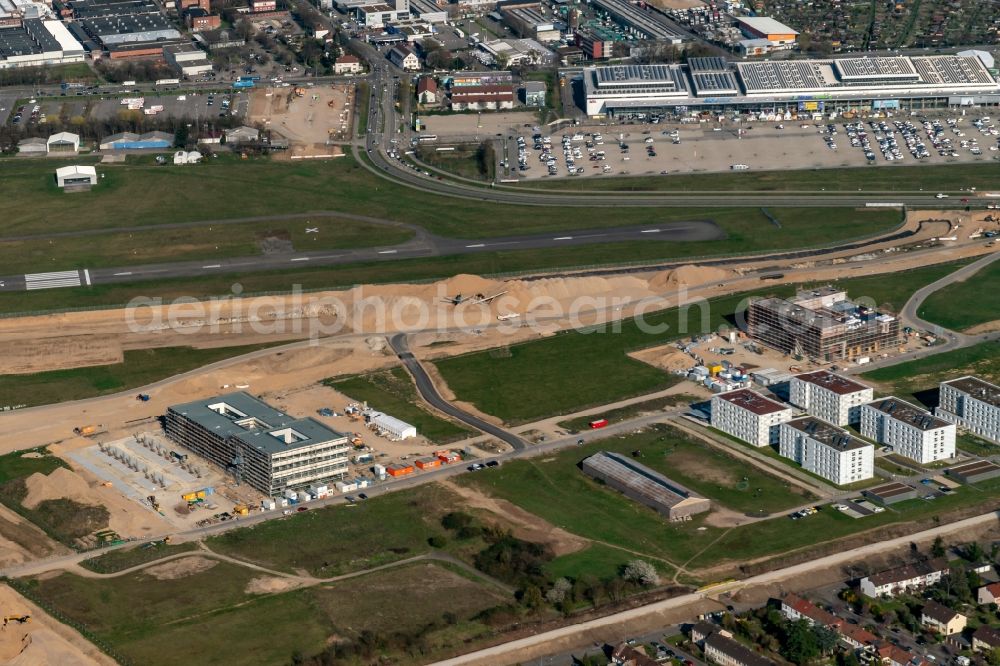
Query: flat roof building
x=263, y=447
x=831, y=397
x=35, y=42
x=749, y=416
x=645, y=23
x=826, y=450
x=644, y=485
x=890, y=493
x=972, y=403
x=909, y=430
x=974, y=472
x=763, y=27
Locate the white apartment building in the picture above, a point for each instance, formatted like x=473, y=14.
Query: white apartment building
x=749, y=416
x=829, y=396
x=973, y=404
x=909, y=430
x=826, y=450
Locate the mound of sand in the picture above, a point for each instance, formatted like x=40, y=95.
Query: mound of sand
x=61, y=483
x=271, y=585
x=688, y=276
x=469, y=284
x=180, y=568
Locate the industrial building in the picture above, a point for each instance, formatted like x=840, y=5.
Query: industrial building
x=133, y=141
x=389, y=426
x=974, y=472
x=35, y=42
x=821, y=324
x=187, y=59
x=776, y=35
x=529, y=22
x=131, y=28
x=826, y=450
x=428, y=11
x=857, y=84
x=909, y=430
x=593, y=46
x=518, y=52
x=749, y=416
x=534, y=93
x=972, y=403
x=76, y=176
x=261, y=446
x=644, y=485
x=641, y=23
x=831, y=397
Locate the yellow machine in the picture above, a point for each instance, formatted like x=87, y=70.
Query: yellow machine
x=20, y=619
x=241, y=509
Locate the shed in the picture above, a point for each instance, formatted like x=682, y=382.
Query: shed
x=390, y=426
x=32, y=146
x=70, y=176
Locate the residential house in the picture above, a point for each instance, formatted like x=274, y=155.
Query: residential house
x=626, y=655
x=796, y=608
x=901, y=579
x=347, y=64
x=989, y=594
x=855, y=636
x=893, y=655
x=985, y=638
x=427, y=90
x=718, y=646
x=403, y=57
x=938, y=617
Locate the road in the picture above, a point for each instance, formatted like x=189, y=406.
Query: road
x=429, y=392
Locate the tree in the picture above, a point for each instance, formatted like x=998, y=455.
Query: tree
x=801, y=644
x=557, y=593
x=641, y=572
x=826, y=639
x=937, y=548
x=973, y=552
x=181, y=136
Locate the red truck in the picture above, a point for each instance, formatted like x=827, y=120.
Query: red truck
x=599, y=423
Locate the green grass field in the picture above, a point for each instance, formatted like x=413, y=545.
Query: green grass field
x=892, y=290
x=209, y=241
x=962, y=305
x=210, y=617
x=630, y=411
x=393, y=392
x=918, y=380
x=126, y=558
x=598, y=560
x=140, y=367
x=340, y=539
x=951, y=177
x=22, y=464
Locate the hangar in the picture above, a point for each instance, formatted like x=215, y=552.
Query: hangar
x=76, y=176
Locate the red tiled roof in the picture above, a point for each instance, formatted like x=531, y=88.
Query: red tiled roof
x=811, y=611
x=857, y=635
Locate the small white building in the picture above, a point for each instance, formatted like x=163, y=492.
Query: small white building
x=32, y=146
x=185, y=157
x=391, y=427
x=404, y=58
x=828, y=396
x=72, y=176
x=63, y=143
x=749, y=416
x=972, y=403
x=347, y=64
x=909, y=430
x=826, y=450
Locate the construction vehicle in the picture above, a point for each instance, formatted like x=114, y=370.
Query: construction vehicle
x=20, y=619
x=357, y=441
x=89, y=430
x=241, y=509
x=142, y=397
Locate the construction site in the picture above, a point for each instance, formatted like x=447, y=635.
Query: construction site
x=314, y=120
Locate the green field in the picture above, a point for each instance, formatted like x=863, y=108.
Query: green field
x=918, y=380
x=343, y=538
x=630, y=411
x=126, y=558
x=892, y=290
x=191, y=243
x=393, y=392
x=897, y=178
x=962, y=305
x=574, y=370
x=210, y=617
x=22, y=464
x=598, y=560
x=140, y=367
x=975, y=445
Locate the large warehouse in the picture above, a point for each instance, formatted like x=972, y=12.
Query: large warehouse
x=35, y=42
x=834, y=85
x=262, y=446
x=644, y=485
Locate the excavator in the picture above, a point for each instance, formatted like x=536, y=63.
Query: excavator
x=20, y=619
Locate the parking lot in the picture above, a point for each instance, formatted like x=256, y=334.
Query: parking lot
x=195, y=106
x=728, y=146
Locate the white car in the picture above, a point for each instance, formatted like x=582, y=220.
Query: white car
x=940, y=196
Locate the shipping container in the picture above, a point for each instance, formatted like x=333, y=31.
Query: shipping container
x=599, y=423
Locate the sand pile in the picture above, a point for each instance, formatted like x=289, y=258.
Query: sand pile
x=688, y=276
x=521, y=294
x=62, y=483
x=271, y=585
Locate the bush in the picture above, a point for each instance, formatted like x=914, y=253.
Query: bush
x=437, y=541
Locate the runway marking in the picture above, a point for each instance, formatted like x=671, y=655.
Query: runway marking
x=387, y=252
x=51, y=280
x=86, y=276
x=125, y=273
x=212, y=266
x=299, y=259
x=564, y=238
x=477, y=245
x=650, y=231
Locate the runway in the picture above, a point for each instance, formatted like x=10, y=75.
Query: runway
x=421, y=246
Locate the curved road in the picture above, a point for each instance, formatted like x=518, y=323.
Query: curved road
x=430, y=393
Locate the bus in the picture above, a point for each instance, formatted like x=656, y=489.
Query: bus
x=168, y=82
x=427, y=138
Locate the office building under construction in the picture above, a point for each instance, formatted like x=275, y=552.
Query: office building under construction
x=258, y=444
x=821, y=324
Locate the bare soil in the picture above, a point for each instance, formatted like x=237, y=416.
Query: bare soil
x=180, y=568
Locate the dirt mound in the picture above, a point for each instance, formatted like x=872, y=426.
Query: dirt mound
x=61, y=483
x=180, y=568
x=271, y=585
x=469, y=285
x=688, y=276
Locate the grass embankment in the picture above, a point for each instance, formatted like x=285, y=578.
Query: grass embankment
x=181, y=619
x=192, y=243
x=747, y=231
x=393, y=392
x=126, y=558
x=629, y=411
x=469, y=160
x=140, y=367
x=918, y=380
x=897, y=178
x=962, y=305
x=893, y=290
